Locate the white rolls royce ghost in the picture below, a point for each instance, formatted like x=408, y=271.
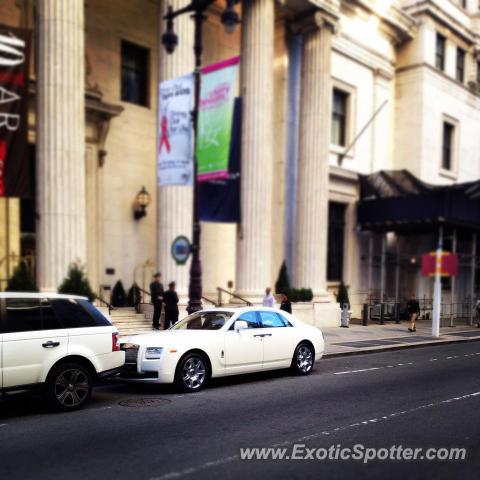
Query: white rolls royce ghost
x=220, y=342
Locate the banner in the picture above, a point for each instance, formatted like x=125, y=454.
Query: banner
x=215, y=119
x=175, y=132
x=219, y=200
x=14, y=65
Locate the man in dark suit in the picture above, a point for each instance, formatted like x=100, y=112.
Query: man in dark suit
x=156, y=293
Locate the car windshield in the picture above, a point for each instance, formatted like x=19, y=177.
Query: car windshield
x=203, y=321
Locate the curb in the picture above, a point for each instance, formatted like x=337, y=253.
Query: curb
x=399, y=347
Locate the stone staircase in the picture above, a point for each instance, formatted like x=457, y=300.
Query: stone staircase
x=129, y=322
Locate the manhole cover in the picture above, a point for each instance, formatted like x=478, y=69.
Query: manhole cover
x=144, y=402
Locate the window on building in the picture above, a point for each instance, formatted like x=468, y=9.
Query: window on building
x=339, y=117
x=336, y=234
x=463, y=3
x=440, y=52
x=135, y=73
x=448, y=143
x=460, y=65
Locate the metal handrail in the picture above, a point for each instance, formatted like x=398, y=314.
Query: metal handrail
x=210, y=301
x=234, y=295
x=109, y=305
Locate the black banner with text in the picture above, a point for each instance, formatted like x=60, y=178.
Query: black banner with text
x=14, y=64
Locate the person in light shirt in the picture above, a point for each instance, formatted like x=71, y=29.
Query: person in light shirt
x=268, y=299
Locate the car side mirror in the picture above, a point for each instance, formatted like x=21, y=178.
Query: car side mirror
x=240, y=325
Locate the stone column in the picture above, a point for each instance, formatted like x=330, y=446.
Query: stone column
x=60, y=123
x=253, y=270
x=174, y=203
x=314, y=142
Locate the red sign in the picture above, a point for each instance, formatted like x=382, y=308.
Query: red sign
x=448, y=265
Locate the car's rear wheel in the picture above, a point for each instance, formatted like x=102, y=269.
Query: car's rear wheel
x=68, y=387
x=303, y=359
x=192, y=372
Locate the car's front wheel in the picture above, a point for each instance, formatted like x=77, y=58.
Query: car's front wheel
x=303, y=359
x=191, y=373
x=68, y=387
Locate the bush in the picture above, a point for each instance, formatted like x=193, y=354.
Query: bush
x=76, y=283
x=301, y=295
x=119, y=297
x=133, y=295
x=342, y=295
x=282, y=285
x=21, y=281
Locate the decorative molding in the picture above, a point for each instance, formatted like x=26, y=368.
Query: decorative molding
x=314, y=20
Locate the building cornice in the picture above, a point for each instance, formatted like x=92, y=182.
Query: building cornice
x=433, y=10
x=403, y=24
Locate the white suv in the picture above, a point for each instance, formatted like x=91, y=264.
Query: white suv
x=59, y=342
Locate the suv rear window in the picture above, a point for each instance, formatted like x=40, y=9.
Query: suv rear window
x=75, y=313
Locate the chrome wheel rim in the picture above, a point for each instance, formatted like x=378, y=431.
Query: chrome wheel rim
x=304, y=359
x=71, y=387
x=194, y=372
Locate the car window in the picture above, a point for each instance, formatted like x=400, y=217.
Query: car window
x=23, y=315
x=49, y=320
x=75, y=313
x=272, y=319
x=251, y=319
x=286, y=323
x=203, y=321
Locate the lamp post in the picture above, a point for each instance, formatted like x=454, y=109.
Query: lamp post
x=229, y=19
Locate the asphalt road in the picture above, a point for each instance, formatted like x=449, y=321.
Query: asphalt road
x=417, y=398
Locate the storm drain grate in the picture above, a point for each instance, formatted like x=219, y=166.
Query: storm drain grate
x=144, y=402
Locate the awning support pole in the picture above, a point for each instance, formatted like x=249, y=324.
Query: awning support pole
x=437, y=289
x=472, y=276
x=370, y=266
x=452, y=291
x=397, y=277
x=382, y=270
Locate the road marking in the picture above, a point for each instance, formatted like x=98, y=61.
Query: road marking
x=373, y=368
x=3, y=425
x=234, y=458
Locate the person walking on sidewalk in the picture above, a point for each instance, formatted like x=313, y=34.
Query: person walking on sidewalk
x=477, y=310
x=156, y=294
x=286, y=305
x=170, y=298
x=413, y=310
x=268, y=299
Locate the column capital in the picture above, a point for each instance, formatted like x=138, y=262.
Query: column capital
x=315, y=20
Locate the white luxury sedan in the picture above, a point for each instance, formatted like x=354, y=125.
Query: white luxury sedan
x=220, y=342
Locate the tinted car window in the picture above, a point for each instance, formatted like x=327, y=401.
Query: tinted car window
x=272, y=319
x=251, y=318
x=77, y=313
x=285, y=322
x=23, y=315
x=203, y=321
x=49, y=320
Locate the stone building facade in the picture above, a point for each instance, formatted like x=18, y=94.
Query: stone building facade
x=331, y=89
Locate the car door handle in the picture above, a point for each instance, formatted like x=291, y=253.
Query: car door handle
x=263, y=335
x=50, y=344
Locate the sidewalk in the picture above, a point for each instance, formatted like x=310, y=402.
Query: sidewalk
x=358, y=339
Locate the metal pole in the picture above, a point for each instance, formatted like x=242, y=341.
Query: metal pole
x=452, y=290
x=437, y=289
x=397, y=280
x=382, y=268
x=195, y=285
x=370, y=264
x=472, y=276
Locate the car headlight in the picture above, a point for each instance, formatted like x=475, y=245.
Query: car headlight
x=153, y=353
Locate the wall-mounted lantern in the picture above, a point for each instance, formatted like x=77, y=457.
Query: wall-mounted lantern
x=142, y=201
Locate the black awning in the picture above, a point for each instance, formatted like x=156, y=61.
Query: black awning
x=397, y=200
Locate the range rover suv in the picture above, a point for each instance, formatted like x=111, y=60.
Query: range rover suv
x=60, y=343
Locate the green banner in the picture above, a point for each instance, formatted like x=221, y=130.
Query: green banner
x=215, y=119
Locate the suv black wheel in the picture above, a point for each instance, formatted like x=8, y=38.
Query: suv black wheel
x=192, y=372
x=68, y=386
x=303, y=359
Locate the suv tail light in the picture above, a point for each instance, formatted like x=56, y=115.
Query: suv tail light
x=115, y=344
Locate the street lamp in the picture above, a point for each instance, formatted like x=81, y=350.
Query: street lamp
x=229, y=19
x=142, y=201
